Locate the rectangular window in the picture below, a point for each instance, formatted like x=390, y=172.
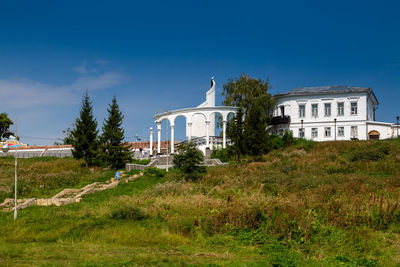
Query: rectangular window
x=314, y=108
x=340, y=131
x=302, y=111
x=314, y=132
x=340, y=109
x=301, y=132
x=354, y=131
x=353, y=108
x=327, y=109
x=280, y=132
x=327, y=131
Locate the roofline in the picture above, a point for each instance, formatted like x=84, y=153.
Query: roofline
x=368, y=90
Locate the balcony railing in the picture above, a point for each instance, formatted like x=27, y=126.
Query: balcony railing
x=280, y=120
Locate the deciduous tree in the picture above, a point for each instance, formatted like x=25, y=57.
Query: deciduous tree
x=245, y=91
x=188, y=160
x=5, y=123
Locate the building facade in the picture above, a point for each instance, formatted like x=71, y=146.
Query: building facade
x=329, y=113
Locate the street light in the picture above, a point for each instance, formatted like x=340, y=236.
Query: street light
x=335, y=128
x=302, y=130
x=397, y=126
x=5, y=150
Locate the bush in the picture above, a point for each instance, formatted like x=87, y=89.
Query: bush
x=279, y=255
x=274, y=141
x=128, y=213
x=188, y=160
x=287, y=139
x=223, y=154
x=374, y=152
x=154, y=172
x=306, y=145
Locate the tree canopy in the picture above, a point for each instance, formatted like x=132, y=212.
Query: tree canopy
x=246, y=91
x=252, y=95
x=5, y=123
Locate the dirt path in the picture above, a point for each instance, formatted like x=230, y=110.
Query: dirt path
x=66, y=196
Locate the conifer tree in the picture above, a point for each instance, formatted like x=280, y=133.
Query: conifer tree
x=235, y=132
x=255, y=130
x=114, y=152
x=84, y=135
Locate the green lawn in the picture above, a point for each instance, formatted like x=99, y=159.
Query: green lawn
x=324, y=205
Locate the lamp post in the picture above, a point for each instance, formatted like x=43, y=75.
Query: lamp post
x=335, y=127
x=5, y=150
x=397, y=126
x=302, y=129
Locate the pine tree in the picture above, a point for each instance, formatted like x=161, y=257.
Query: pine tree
x=84, y=135
x=114, y=152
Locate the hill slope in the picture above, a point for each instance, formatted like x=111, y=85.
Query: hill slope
x=318, y=204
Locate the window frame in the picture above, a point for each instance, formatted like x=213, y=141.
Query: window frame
x=330, y=109
x=314, y=130
x=338, y=133
x=304, y=111
x=340, y=108
x=356, y=108
x=330, y=131
x=312, y=110
x=301, y=132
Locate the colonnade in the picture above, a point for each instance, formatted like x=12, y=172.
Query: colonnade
x=207, y=112
x=189, y=136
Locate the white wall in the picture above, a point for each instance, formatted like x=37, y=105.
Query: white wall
x=199, y=122
x=365, y=109
x=291, y=104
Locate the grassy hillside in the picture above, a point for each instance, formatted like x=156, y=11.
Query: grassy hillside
x=44, y=177
x=320, y=204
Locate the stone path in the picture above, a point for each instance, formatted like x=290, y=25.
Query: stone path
x=66, y=196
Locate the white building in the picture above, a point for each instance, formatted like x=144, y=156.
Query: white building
x=200, y=123
x=330, y=113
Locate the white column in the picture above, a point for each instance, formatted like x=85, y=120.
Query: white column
x=172, y=139
x=159, y=137
x=189, y=125
x=208, y=134
x=151, y=141
x=224, y=134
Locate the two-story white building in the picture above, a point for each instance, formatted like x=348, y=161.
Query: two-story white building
x=329, y=113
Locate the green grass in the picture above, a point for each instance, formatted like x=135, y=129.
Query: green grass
x=328, y=204
x=44, y=177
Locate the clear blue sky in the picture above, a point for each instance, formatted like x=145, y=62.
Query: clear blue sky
x=155, y=55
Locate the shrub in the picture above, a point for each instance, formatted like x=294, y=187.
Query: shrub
x=128, y=213
x=223, y=154
x=188, y=160
x=306, y=145
x=287, y=139
x=377, y=151
x=274, y=142
x=154, y=172
x=279, y=255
